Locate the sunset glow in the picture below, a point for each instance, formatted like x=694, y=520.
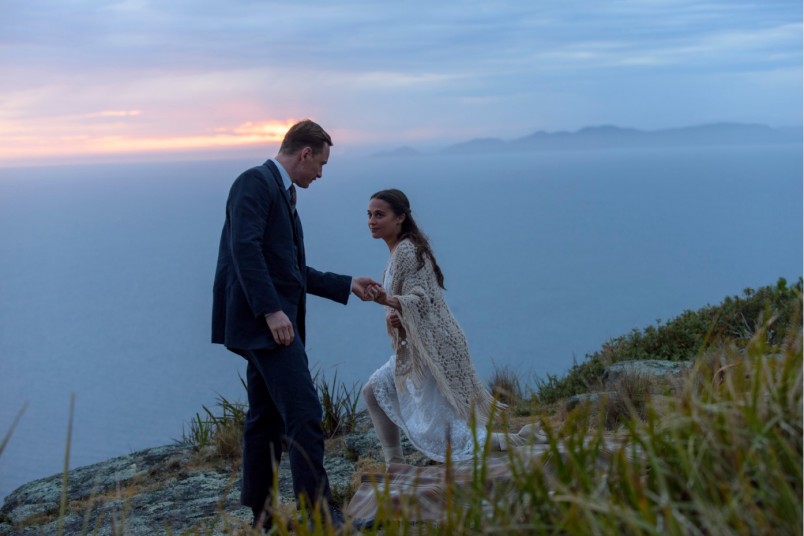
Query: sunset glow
x=266, y=131
x=87, y=140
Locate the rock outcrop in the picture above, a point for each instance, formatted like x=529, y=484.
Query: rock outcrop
x=657, y=371
x=179, y=488
x=169, y=489
x=653, y=368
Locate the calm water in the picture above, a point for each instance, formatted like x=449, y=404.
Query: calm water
x=105, y=273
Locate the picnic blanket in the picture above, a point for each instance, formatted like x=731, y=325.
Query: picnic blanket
x=420, y=494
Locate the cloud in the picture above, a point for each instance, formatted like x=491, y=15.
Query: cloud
x=716, y=49
x=419, y=68
x=115, y=113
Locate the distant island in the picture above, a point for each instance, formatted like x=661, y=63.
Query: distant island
x=611, y=137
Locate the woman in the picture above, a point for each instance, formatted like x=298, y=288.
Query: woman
x=429, y=388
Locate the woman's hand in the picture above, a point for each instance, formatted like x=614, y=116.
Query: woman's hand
x=380, y=296
x=393, y=321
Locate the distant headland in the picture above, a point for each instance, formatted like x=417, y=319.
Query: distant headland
x=611, y=137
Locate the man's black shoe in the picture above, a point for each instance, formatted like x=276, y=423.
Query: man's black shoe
x=262, y=520
x=363, y=524
x=336, y=519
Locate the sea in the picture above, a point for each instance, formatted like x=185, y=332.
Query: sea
x=106, y=273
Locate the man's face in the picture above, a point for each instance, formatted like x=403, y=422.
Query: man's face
x=311, y=166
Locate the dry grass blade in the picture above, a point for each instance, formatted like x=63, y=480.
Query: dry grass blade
x=10, y=432
x=66, y=473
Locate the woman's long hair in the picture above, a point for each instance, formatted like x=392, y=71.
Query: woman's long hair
x=400, y=205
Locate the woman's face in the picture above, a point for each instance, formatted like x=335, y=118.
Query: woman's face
x=382, y=221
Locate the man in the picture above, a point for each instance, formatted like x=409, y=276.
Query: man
x=259, y=300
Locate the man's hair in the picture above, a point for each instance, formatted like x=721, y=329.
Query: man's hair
x=303, y=134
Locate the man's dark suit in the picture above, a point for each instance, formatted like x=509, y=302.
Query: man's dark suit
x=261, y=269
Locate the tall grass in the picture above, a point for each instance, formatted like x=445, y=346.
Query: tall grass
x=222, y=430
x=66, y=471
x=722, y=458
x=505, y=386
x=339, y=404
x=10, y=431
x=222, y=426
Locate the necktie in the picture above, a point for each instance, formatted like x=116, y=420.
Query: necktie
x=292, y=191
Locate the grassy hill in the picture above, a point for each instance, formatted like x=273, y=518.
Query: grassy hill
x=773, y=310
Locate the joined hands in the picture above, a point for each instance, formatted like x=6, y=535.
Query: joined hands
x=366, y=288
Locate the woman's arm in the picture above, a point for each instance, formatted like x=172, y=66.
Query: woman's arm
x=384, y=299
x=411, y=284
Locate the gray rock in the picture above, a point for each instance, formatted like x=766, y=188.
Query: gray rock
x=170, y=489
x=44, y=495
x=659, y=371
x=363, y=441
x=584, y=398
x=654, y=368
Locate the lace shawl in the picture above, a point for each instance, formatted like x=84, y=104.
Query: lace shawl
x=435, y=341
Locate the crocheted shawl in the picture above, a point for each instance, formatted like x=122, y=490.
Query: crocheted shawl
x=435, y=341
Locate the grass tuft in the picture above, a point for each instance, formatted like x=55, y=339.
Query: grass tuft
x=222, y=430
x=505, y=387
x=629, y=396
x=339, y=404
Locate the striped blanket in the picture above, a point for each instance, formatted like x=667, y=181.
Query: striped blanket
x=422, y=494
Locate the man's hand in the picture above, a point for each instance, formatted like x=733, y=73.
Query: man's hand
x=365, y=288
x=281, y=328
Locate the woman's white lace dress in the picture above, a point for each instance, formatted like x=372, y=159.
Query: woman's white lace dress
x=421, y=410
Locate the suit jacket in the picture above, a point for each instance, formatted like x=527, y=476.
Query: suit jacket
x=261, y=264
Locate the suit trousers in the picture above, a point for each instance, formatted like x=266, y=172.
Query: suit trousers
x=283, y=404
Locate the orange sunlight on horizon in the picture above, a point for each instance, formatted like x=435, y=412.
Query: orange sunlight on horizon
x=31, y=144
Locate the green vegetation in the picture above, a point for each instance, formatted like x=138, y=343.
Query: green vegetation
x=776, y=309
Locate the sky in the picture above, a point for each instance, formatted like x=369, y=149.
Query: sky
x=93, y=79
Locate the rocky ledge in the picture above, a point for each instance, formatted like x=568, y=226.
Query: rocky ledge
x=179, y=489
x=172, y=489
